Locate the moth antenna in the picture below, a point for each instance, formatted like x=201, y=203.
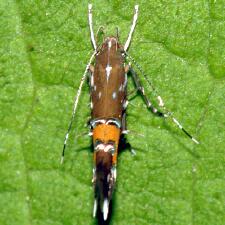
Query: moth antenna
x=126, y=46
x=76, y=100
x=91, y=26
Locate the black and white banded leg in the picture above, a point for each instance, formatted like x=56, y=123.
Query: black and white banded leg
x=148, y=103
x=140, y=88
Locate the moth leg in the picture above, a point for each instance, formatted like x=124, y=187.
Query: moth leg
x=90, y=77
x=91, y=69
x=140, y=88
x=75, y=103
x=155, y=110
x=91, y=26
x=117, y=34
x=123, y=144
x=100, y=37
x=130, y=93
x=126, y=46
x=127, y=69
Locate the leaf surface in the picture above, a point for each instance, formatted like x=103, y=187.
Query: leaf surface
x=45, y=47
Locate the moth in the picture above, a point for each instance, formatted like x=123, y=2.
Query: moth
x=108, y=68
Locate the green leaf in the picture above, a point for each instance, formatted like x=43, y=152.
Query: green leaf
x=45, y=46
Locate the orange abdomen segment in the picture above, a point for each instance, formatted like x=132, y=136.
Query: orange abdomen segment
x=107, y=133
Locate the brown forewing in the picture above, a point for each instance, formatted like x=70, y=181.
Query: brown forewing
x=108, y=96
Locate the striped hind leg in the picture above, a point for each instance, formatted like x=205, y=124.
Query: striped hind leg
x=153, y=109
